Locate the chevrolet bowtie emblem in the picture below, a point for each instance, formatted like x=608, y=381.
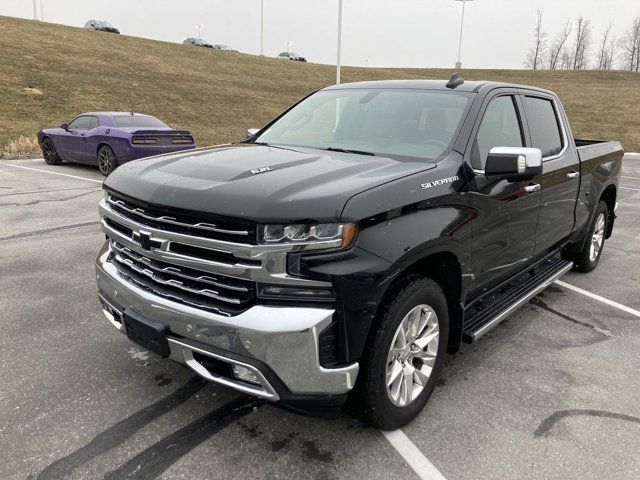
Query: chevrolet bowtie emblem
x=143, y=238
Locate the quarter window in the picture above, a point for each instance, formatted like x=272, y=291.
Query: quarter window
x=500, y=127
x=543, y=125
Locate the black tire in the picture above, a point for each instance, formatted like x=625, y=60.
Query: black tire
x=587, y=259
x=371, y=399
x=49, y=152
x=107, y=161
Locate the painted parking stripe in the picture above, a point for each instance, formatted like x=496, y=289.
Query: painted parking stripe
x=627, y=188
x=53, y=173
x=611, y=303
x=413, y=456
x=632, y=178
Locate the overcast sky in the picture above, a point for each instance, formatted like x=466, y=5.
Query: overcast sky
x=394, y=33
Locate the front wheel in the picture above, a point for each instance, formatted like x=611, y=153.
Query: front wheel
x=404, y=355
x=49, y=152
x=107, y=161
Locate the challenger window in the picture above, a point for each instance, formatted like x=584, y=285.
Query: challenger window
x=544, y=125
x=393, y=122
x=82, y=123
x=500, y=127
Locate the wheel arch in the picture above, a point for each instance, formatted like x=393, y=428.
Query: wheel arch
x=609, y=195
x=101, y=144
x=444, y=268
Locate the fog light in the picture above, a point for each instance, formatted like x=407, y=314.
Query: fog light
x=244, y=374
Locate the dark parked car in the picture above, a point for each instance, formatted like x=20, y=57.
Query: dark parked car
x=108, y=139
x=346, y=247
x=292, y=56
x=101, y=26
x=226, y=48
x=197, y=42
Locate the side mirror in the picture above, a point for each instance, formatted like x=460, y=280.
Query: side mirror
x=64, y=126
x=514, y=163
x=251, y=132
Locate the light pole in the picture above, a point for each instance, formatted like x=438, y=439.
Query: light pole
x=262, y=28
x=35, y=12
x=41, y=11
x=288, y=46
x=199, y=27
x=459, y=62
x=339, y=59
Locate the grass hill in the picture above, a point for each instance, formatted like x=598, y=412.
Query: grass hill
x=49, y=73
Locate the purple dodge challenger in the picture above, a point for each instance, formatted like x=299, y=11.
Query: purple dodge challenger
x=108, y=139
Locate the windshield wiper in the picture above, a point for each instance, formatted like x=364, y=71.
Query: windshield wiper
x=346, y=150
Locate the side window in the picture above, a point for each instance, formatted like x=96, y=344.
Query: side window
x=544, y=125
x=500, y=127
x=92, y=122
x=77, y=124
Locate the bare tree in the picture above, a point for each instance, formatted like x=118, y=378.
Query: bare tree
x=603, y=51
x=630, y=44
x=535, y=57
x=557, y=47
x=582, y=43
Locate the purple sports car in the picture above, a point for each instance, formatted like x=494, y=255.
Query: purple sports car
x=108, y=139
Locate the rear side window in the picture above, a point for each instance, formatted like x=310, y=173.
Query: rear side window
x=500, y=127
x=544, y=125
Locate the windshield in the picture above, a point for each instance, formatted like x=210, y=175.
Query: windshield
x=139, y=121
x=411, y=123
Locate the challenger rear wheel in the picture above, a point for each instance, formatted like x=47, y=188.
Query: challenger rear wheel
x=404, y=355
x=51, y=157
x=107, y=161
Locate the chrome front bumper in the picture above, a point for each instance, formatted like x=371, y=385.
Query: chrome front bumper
x=284, y=339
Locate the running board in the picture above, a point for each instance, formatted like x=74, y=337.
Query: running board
x=484, y=320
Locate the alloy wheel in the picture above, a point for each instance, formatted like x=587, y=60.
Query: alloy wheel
x=412, y=355
x=105, y=161
x=597, y=239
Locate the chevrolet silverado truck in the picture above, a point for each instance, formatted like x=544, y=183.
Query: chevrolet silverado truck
x=338, y=254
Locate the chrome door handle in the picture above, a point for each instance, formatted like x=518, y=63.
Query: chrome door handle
x=533, y=188
x=572, y=175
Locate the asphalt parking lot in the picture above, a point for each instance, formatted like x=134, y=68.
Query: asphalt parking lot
x=553, y=392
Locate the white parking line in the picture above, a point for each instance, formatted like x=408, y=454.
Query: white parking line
x=632, y=178
x=627, y=188
x=611, y=303
x=53, y=173
x=413, y=456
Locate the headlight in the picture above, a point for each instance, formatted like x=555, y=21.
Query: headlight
x=305, y=233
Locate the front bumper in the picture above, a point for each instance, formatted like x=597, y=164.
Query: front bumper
x=278, y=344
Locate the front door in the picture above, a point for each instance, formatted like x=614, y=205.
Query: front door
x=560, y=181
x=505, y=228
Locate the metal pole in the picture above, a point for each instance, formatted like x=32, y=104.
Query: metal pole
x=339, y=60
x=262, y=28
x=35, y=11
x=459, y=62
x=41, y=11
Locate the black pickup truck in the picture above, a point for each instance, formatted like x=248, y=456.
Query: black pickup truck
x=337, y=254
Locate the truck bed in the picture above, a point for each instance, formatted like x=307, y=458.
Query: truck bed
x=591, y=149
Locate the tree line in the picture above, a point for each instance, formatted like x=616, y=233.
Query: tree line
x=576, y=47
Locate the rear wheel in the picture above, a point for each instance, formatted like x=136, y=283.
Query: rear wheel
x=587, y=259
x=49, y=152
x=107, y=161
x=404, y=355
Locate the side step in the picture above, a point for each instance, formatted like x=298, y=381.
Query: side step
x=514, y=297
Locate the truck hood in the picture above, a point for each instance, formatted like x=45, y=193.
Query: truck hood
x=257, y=182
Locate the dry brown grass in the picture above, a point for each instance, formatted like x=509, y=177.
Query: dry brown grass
x=217, y=95
x=20, y=147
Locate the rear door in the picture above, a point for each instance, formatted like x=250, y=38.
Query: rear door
x=504, y=231
x=560, y=181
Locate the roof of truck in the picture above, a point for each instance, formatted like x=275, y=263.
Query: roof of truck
x=467, y=86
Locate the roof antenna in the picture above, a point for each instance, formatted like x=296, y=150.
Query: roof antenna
x=455, y=81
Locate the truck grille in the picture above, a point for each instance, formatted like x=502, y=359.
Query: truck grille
x=204, y=290
x=190, y=223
